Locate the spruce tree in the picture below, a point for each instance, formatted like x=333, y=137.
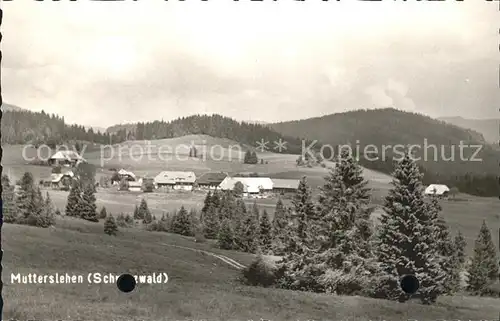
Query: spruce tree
x=137, y=215
x=129, y=220
x=47, y=215
x=297, y=271
x=9, y=209
x=280, y=221
x=206, y=202
x=460, y=245
x=265, y=233
x=89, y=208
x=248, y=240
x=103, y=213
x=216, y=199
x=110, y=226
x=181, y=223
x=342, y=231
x=144, y=213
x=483, y=269
x=447, y=256
x=406, y=243
x=225, y=236
x=26, y=200
x=210, y=223
x=74, y=200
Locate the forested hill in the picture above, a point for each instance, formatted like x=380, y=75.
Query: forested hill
x=20, y=126
x=212, y=125
x=389, y=127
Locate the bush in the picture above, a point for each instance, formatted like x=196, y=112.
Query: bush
x=259, y=273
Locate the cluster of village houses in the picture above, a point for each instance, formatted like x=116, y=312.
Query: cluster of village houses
x=181, y=180
x=188, y=181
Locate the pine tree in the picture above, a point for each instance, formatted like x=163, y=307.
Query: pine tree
x=9, y=209
x=74, y=200
x=47, y=215
x=280, y=221
x=181, y=223
x=89, y=208
x=225, y=236
x=144, y=213
x=265, y=233
x=110, y=226
x=207, y=202
x=342, y=231
x=446, y=251
x=137, y=215
x=103, y=213
x=211, y=223
x=406, y=244
x=460, y=245
x=296, y=267
x=26, y=203
x=483, y=270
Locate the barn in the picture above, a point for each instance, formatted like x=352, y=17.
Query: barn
x=58, y=181
x=285, y=186
x=211, y=180
x=170, y=180
x=252, y=186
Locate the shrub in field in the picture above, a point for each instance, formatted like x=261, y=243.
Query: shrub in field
x=259, y=273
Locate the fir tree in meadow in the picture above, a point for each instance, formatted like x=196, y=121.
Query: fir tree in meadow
x=110, y=226
x=26, y=200
x=137, y=214
x=129, y=220
x=47, y=216
x=182, y=223
x=247, y=233
x=74, y=200
x=211, y=223
x=343, y=228
x=447, y=260
x=207, y=202
x=225, y=236
x=103, y=213
x=297, y=271
x=405, y=242
x=265, y=233
x=460, y=244
x=483, y=269
x=144, y=213
x=89, y=208
x=279, y=223
x=9, y=209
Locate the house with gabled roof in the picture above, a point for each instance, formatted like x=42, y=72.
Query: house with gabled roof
x=66, y=158
x=175, y=180
x=211, y=180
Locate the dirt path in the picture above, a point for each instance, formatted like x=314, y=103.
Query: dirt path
x=222, y=258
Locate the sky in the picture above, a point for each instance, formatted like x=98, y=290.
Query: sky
x=105, y=63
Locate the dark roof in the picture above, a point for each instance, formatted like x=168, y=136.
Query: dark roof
x=212, y=178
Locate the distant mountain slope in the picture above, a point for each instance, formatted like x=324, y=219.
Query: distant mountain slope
x=386, y=128
x=215, y=126
x=489, y=128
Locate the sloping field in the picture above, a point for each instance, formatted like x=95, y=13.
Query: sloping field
x=200, y=287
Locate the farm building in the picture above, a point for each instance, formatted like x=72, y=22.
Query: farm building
x=211, y=180
x=129, y=176
x=284, y=186
x=135, y=186
x=175, y=180
x=66, y=158
x=437, y=189
x=61, y=180
x=251, y=185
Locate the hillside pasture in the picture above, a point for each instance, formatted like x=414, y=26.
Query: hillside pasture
x=199, y=287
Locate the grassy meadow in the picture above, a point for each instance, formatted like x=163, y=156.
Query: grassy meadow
x=200, y=286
